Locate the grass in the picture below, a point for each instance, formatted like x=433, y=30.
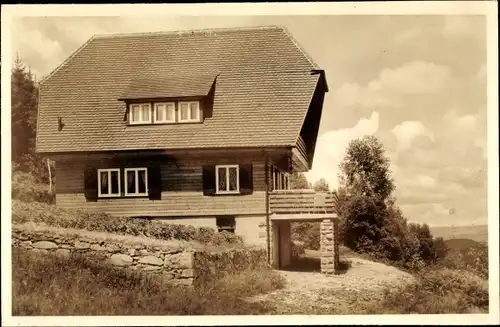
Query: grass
x=26, y=188
x=437, y=291
x=50, y=285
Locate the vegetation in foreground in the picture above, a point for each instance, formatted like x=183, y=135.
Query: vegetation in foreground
x=38, y=212
x=437, y=291
x=51, y=285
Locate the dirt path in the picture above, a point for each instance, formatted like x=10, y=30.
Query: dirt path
x=310, y=292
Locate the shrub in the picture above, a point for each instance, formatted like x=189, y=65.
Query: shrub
x=437, y=291
x=37, y=212
x=473, y=259
x=25, y=187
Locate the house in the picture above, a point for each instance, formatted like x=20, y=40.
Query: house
x=197, y=127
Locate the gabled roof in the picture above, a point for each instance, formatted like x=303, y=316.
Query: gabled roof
x=264, y=83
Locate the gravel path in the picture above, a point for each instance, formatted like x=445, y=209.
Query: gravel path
x=311, y=291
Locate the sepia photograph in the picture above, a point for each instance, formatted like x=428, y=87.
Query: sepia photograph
x=238, y=164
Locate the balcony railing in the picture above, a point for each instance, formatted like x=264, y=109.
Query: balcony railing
x=300, y=201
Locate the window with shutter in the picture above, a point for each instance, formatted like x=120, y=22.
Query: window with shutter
x=227, y=179
x=108, y=182
x=136, y=181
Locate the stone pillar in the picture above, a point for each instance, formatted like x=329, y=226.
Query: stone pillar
x=329, y=242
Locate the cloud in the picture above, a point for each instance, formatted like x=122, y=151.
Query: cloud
x=407, y=131
x=416, y=77
x=331, y=147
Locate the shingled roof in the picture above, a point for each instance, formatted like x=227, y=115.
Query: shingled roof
x=264, y=83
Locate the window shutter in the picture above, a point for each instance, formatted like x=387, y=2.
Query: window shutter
x=154, y=182
x=208, y=180
x=90, y=184
x=246, y=179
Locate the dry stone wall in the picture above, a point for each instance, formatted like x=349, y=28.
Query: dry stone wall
x=174, y=262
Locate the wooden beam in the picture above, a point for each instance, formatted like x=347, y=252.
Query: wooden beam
x=303, y=216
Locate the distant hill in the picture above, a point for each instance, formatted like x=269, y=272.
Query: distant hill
x=461, y=243
x=478, y=233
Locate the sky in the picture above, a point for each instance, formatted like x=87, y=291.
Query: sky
x=418, y=83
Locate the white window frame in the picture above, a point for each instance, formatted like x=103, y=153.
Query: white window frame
x=109, y=194
x=136, y=170
x=141, y=121
x=155, y=111
x=227, y=167
x=189, y=119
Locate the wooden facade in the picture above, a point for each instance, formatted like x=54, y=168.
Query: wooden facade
x=182, y=187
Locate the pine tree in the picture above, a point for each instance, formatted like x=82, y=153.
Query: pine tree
x=24, y=106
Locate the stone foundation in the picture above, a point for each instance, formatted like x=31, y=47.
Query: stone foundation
x=329, y=242
x=175, y=262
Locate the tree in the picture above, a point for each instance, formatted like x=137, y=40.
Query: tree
x=299, y=181
x=365, y=169
x=24, y=95
x=321, y=185
x=24, y=100
x=366, y=177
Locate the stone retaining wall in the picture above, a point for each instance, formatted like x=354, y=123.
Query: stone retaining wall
x=175, y=262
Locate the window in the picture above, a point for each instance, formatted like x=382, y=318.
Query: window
x=140, y=113
x=136, y=181
x=225, y=223
x=227, y=179
x=108, y=181
x=287, y=181
x=189, y=111
x=164, y=112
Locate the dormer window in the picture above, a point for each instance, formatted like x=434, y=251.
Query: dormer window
x=189, y=111
x=164, y=112
x=140, y=113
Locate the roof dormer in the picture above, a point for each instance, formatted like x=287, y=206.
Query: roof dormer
x=169, y=100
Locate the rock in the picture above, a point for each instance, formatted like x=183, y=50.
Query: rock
x=131, y=252
x=97, y=247
x=22, y=237
x=26, y=244
x=184, y=281
x=81, y=245
x=45, y=245
x=180, y=260
x=148, y=267
x=112, y=248
x=167, y=276
x=187, y=273
x=144, y=252
x=63, y=252
x=65, y=246
x=151, y=260
x=120, y=260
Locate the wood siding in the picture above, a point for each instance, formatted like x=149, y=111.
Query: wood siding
x=181, y=194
